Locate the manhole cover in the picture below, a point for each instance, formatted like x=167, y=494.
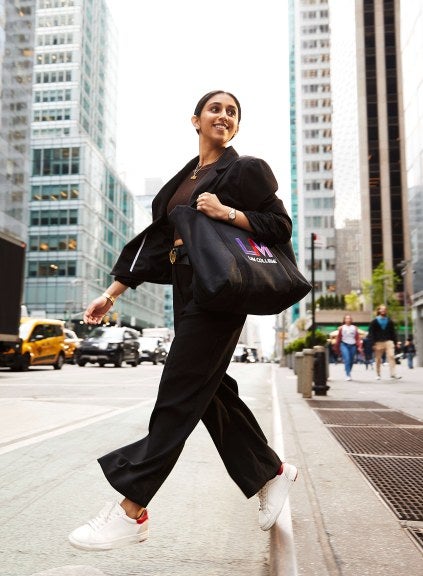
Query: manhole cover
x=389, y=441
x=399, y=481
x=344, y=404
x=366, y=418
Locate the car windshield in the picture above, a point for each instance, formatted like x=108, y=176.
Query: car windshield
x=109, y=334
x=25, y=329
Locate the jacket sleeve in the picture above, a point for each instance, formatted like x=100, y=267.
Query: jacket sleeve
x=252, y=188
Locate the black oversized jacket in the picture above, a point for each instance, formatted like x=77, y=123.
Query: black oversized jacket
x=242, y=182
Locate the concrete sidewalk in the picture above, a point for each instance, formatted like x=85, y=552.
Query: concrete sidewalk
x=341, y=525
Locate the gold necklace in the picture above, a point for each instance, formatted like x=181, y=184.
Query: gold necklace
x=199, y=166
x=196, y=171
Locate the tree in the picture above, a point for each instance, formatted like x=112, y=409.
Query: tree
x=381, y=289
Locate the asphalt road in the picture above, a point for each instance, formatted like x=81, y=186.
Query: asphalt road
x=53, y=426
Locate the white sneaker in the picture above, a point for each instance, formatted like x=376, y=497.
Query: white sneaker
x=273, y=496
x=396, y=377
x=112, y=528
x=377, y=377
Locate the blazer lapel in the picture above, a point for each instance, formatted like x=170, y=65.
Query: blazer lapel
x=216, y=172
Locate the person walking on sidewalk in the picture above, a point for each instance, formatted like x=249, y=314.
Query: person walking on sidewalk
x=383, y=337
x=194, y=384
x=348, y=343
x=409, y=351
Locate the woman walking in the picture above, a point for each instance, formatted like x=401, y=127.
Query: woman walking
x=194, y=385
x=348, y=343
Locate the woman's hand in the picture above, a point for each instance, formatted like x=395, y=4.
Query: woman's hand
x=211, y=206
x=96, y=310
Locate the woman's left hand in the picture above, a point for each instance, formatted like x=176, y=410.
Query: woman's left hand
x=211, y=206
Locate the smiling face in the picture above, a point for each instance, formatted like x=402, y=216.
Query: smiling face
x=218, y=120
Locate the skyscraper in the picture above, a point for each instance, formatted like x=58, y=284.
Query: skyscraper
x=314, y=195
x=385, y=226
x=81, y=213
x=16, y=62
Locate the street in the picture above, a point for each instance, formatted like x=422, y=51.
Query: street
x=54, y=424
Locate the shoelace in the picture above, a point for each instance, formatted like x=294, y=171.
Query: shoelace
x=103, y=516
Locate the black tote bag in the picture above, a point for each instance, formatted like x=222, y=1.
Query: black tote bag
x=234, y=272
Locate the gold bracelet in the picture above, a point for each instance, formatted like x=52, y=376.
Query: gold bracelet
x=110, y=298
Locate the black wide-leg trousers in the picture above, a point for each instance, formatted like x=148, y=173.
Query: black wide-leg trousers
x=194, y=386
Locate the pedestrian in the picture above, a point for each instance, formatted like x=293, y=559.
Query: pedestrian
x=409, y=351
x=194, y=384
x=383, y=337
x=348, y=343
x=368, y=352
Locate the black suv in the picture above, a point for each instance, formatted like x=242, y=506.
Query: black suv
x=109, y=345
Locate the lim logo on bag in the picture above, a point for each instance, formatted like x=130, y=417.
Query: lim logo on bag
x=255, y=252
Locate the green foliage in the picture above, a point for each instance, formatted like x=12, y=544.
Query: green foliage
x=299, y=344
x=381, y=289
x=331, y=302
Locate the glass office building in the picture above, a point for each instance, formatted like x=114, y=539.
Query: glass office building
x=81, y=213
x=16, y=63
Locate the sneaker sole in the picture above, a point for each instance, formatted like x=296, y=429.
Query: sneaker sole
x=122, y=542
x=273, y=520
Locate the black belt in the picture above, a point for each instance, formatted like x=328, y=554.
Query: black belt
x=179, y=254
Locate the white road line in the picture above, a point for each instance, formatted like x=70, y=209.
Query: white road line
x=14, y=445
x=283, y=558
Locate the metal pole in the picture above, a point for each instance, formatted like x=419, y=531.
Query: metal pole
x=313, y=302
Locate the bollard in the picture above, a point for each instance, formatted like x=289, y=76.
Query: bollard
x=320, y=387
x=308, y=362
x=299, y=370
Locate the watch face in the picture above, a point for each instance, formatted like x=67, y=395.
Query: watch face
x=232, y=214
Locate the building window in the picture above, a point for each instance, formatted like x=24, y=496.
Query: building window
x=54, y=217
x=52, y=242
x=56, y=268
x=55, y=161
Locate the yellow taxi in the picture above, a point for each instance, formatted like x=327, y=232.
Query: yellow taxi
x=42, y=344
x=72, y=342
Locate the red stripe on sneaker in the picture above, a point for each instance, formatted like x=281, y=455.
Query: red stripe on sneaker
x=280, y=471
x=143, y=518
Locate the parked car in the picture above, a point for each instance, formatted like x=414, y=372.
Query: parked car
x=109, y=345
x=152, y=350
x=72, y=342
x=244, y=353
x=42, y=344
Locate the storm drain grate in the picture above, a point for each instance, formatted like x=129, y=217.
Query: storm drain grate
x=367, y=418
x=399, y=481
x=392, y=441
x=417, y=534
x=344, y=404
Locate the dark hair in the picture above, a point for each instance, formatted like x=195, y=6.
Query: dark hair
x=202, y=102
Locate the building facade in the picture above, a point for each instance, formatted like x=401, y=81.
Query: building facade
x=314, y=195
x=385, y=225
x=81, y=213
x=412, y=52
x=17, y=21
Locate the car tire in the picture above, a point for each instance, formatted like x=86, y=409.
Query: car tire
x=119, y=360
x=102, y=364
x=23, y=364
x=59, y=362
x=82, y=362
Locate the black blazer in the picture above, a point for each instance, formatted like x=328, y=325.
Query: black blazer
x=242, y=182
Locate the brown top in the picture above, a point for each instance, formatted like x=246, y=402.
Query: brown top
x=184, y=192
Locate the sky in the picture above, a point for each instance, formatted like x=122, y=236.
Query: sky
x=170, y=54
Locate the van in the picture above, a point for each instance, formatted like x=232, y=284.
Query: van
x=42, y=344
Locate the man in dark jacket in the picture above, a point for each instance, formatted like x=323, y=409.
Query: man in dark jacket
x=383, y=337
